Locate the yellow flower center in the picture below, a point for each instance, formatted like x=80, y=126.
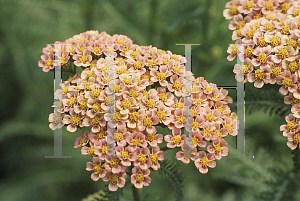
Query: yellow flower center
x=114, y=178
x=134, y=117
x=150, y=137
x=195, y=125
x=206, y=132
x=233, y=10
x=239, y=33
x=217, y=148
x=194, y=112
x=234, y=50
x=163, y=97
x=197, y=101
x=228, y=127
x=101, y=135
x=120, y=41
x=176, y=69
x=262, y=58
x=150, y=104
x=125, y=155
x=83, y=39
x=259, y=74
x=246, y=69
x=291, y=126
x=275, y=41
x=297, y=138
x=292, y=43
x=240, y=25
x=195, y=141
x=134, y=54
x=151, y=63
x=204, y=161
x=161, y=115
x=146, y=94
x=179, y=105
x=286, y=29
x=117, y=117
x=268, y=5
x=104, y=150
x=115, y=162
x=176, y=140
x=136, y=141
x=282, y=53
x=96, y=107
x=147, y=122
x=133, y=93
x=125, y=104
x=118, y=137
x=127, y=81
x=177, y=85
x=91, y=152
x=284, y=7
x=95, y=121
x=262, y=42
x=117, y=88
x=95, y=93
x=175, y=58
x=141, y=158
x=295, y=101
x=210, y=117
x=139, y=177
x=296, y=12
x=82, y=59
x=96, y=50
x=75, y=120
x=287, y=82
x=72, y=101
x=48, y=63
x=137, y=65
x=276, y=71
x=249, y=5
x=269, y=27
x=180, y=119
x=161, y=76
x=165, y=61
x=154, y=158
x=293, y=66
x=257, y=16
x=250, y=34
x=248, y=52
x=120, y=71
x=84, y=140
x=98, y=169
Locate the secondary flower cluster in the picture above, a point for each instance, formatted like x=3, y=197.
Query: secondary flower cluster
x=150, y=90
x=267, y=34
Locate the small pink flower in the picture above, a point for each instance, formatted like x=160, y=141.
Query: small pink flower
x=202, y=161
x=219, y=148
x=83, y=60
x=230, y=125
x=154, y=139
x=95, y=122
x=147, y=120
x=268, y=6
x=293, y=139
x=177, y=140
x=178, y=118
x=56, y=120
x=136, y=139
x=260, y=76
x=233, y=51
x=142, y=158
x=99, y=170
x=186, y=154
x=47, y=62
x=82, y=140
x=177, y=85
x=74, y=120
x=116, y=180
x=241, y=71
x=126, y=156
x=114, y=165
x=296, y=111
x=140, y=178
x=155, y=156
x=233, y=9
x=288, y=82
x=263, y=57
x=247, y=6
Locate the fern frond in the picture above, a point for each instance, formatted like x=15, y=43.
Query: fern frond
x=169, y=170
x=267, y=99
x=296, y=158
x=104, y=195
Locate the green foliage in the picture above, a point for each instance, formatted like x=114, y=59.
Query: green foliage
x=267, y=99
x=104, y=195
x=170, y=170
x=296, y=158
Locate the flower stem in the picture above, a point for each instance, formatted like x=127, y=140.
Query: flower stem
x=136, y=193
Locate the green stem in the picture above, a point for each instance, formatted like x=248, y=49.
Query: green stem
x=136, y=193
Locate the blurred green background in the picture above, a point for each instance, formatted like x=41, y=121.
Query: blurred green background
x=27, y=96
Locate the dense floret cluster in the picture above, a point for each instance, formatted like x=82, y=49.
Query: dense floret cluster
x=150, y=91
x=266, y=35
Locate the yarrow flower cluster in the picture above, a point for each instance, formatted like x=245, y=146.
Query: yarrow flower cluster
x=149, y=91
x=267, y=36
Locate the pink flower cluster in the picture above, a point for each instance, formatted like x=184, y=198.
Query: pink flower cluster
x=267, y=41
x=149, y=91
